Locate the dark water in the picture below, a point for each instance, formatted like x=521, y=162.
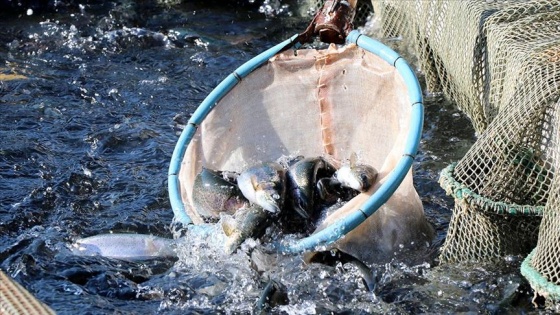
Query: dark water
x=86, y=134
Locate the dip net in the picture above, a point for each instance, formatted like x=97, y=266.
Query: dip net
x=500, y=62
x=330, y=103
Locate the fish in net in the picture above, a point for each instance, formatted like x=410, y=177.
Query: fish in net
x=329, y=103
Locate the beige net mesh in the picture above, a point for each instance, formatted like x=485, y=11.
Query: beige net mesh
x=328, y=103
x=433, y=27
x=15, y=300
x=500, y=62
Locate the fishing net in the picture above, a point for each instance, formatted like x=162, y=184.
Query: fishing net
x=499, y=61
x=15, y=300
x=330, y=103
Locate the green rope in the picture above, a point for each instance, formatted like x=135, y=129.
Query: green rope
x=539, y=283
x=462, y=192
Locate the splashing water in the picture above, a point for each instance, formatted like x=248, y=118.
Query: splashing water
x=99, y=94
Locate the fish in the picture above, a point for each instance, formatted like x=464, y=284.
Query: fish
x=215, y=192
x=360, y=177
x=248, y=222
x=132, y=247
x=302, y=179
x=265, y=185
x=334, y=256
x=274, y=293
x=330, y=192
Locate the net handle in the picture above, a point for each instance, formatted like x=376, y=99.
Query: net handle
x=339, y=228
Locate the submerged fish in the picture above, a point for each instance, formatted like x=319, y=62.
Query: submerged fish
x=334, y=256
x=302, y=179
x=248, y=222
x=265, y=185
x=125, y=246
x=356, y=176
x=273, y=294
x=215, y=192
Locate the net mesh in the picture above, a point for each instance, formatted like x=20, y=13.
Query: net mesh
x=15, y=300
x=318, y=103
x=500, y=62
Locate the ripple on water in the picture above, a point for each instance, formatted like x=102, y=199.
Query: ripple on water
x=86, y=135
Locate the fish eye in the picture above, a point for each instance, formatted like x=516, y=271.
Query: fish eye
x=275, y=196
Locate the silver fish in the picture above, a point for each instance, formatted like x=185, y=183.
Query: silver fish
x=125, y=246
x=248, y=222
x=301, y=182
x=214, y=193
x=356, y=176
x=265, y=185
x=359, y=177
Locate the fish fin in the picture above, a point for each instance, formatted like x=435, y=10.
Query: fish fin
x=301, y=211
x=229, y=225
x=255, y=183
x=353, y=159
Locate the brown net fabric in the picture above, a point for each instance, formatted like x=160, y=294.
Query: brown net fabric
x=329, y=103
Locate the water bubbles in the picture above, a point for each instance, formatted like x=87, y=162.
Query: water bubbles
x=272, y=8
x=87, y=171
x=113, y=92
x=198, y=58
x=29, y=12
x=512, y=258
x=74, y=289
x=465, y=284
x=200, y=43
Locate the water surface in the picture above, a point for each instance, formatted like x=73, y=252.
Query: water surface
x=94, y=97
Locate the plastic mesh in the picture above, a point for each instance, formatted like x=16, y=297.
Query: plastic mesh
x=500, y=62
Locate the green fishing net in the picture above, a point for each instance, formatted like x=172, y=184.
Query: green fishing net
x=500, y=62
